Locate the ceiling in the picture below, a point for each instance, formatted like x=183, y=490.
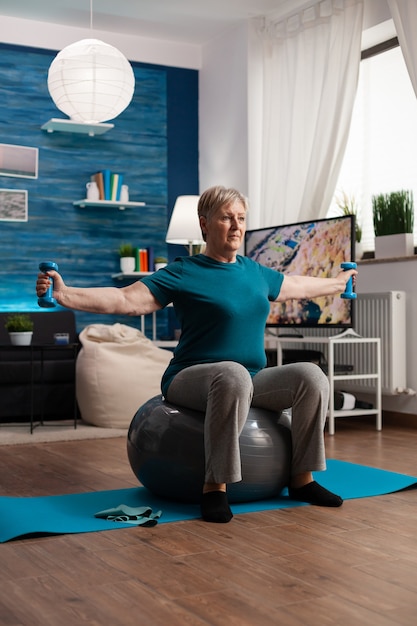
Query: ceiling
x=189, y=21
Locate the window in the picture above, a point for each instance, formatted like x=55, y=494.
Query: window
x=381, y=154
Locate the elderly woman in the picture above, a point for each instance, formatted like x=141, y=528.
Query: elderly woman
x=221, y=300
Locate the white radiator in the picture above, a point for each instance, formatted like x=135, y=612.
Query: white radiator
x=381, y=315
x=376, y=315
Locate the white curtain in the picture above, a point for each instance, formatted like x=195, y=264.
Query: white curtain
x=404, y=14
x=300, y=108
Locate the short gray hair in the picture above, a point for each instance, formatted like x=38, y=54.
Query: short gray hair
x=216, y=197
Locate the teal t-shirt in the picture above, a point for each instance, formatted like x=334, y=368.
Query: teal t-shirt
x=222, y=309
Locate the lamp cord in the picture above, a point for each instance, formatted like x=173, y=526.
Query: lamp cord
x=91, y=14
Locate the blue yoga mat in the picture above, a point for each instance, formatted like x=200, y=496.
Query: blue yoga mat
x=75, y=513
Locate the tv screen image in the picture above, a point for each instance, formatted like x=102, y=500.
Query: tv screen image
x=311, y=248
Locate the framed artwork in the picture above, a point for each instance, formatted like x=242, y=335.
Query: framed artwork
x=20, y=161
x=13, y=205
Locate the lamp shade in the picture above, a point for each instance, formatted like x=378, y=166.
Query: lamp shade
x=91, y=81
x=184, y=226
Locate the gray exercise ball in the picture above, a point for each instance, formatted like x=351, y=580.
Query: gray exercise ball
x=165, y=448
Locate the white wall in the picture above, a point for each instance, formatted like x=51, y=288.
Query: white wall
x=55, y=37
x=375, y=12
x=223, y=111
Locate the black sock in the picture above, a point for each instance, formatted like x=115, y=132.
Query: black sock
x=215, y=507
x=315, y=494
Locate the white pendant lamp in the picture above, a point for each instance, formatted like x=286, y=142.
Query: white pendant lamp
x=91, y=81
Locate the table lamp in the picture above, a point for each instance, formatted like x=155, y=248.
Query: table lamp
x=184, y=226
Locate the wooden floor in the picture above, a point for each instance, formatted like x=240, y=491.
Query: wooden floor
x=307, y=566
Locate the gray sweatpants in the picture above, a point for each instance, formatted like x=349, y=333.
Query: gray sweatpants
x=225, y=391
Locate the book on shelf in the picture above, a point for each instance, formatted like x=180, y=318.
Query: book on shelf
x=151, y=262
x=144, y=260
x=109, y=185
x=119, y=186
x=106, y=184
x=143, y=253
x=114, y=185
x=98, y=179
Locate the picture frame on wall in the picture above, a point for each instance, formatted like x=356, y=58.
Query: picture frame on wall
x=13, y=205
x=18, y=161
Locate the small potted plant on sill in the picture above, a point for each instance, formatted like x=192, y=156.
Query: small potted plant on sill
x=20, y=329
x=348, y=206
x=393, y=215
x=127, y=258
x=160, y=262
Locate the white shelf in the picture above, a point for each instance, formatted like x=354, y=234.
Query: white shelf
x=165, y=344
x=69, y=126
x=127, y=275
x=346, y=337
x=353, y=412
x=107, y=204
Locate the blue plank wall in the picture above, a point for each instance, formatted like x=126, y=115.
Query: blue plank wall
x=154, y=144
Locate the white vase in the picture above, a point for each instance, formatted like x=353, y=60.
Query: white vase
x=92, y=191
x=124, y=193
x=394, y=246
x=21, y=338
x=159, y=266
x=127, y=264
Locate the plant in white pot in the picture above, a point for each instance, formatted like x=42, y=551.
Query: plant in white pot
x=127, y=258
x=20, y=329
x=393, y=215
x=160, y=262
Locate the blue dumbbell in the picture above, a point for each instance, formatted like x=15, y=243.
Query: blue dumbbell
x=47, y=301
x=348, y=293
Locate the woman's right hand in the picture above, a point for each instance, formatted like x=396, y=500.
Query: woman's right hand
x=44, y=281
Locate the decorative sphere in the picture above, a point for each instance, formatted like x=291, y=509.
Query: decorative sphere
x=91, y=81
x=165, y=448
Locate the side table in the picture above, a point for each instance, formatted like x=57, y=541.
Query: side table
x=35, y=350
x=371, y=344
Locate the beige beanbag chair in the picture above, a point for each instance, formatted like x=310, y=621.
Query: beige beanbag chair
x=118, y=369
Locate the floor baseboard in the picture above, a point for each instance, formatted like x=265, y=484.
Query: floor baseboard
x=394, y=418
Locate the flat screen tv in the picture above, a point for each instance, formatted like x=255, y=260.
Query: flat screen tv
x=313, y=248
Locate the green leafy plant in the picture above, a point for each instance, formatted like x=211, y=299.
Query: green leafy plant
x=160, y=259
x=393, y=213
x=126, y=249
x=18, y=323
x=348, y=206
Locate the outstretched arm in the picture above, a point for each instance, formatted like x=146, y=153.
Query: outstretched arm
x=299, y=287
x=136, y=299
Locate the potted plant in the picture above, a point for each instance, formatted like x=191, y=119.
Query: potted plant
x=393, y=216
x=127, y=258
x=20, y=329
x=348, y=206
x=160, y=261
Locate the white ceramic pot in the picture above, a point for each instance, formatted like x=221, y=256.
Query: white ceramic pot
x=21, y=339
x=92, y=191
x=394, y=246
x=127, y=264
x=159, y=266
x=124, y=194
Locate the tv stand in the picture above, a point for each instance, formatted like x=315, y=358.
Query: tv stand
x=349, y=332
x=349, y=335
